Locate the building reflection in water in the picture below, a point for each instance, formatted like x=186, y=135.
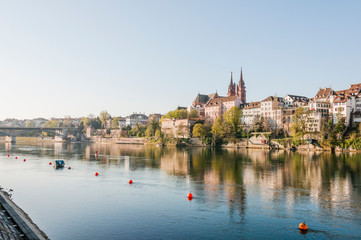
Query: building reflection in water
x=227, y=176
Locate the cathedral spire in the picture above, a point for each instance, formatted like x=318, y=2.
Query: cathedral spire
x=241, y=82
x=241, y=91
x=231, y=87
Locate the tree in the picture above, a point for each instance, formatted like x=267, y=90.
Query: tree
x=104, y=116
x=193, y=114
x=300, y=118
x=199, y=131
x=29, y=123
x=217, y=131
x=152, y=127
x=257, y=124
x=67, y=122
x=95, y=123
x=182, y=114
x=49, y=124
x=183, y=130
x=115, y=123
x=169, y=115
x=233, y=119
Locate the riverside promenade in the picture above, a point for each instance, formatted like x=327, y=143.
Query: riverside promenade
x=15, y=223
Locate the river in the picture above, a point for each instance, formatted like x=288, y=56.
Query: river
x=237, y=194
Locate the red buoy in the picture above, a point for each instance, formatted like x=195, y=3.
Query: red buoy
x=190, y=196
x=49, y=163
x=24, y=160
x=8, y=155
x=69, y=168
x=130, y=181
x=303, y=226
x=96, y=174
x=16, y=157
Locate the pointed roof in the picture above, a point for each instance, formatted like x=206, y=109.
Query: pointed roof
x=241, y=82
x=231, y=83
x=201, y=98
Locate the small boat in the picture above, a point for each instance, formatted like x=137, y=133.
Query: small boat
x=59, y=163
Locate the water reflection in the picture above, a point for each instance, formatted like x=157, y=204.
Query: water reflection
x=280, y=184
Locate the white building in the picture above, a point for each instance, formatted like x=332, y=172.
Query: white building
x=251, y=111
x=136, y=118
x=217, y=106
x=271, y=111
x=294, y=101
x=178, y=127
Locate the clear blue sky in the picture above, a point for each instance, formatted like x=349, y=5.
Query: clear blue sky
x=75, y=58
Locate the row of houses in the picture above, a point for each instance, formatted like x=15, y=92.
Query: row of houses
x=276, y=112
x=326, y=104
x=131, y=120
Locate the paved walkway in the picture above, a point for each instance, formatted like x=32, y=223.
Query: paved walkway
x=15, y=223
x=8, y=228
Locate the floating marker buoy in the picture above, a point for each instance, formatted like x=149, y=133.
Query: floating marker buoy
x=8, y=155
x=190, y=196
x=69, y=168
x=49, y=163
x=96, y=174
x=16, y=157
x=24, y=160
x=303, y=226
x=130, y=181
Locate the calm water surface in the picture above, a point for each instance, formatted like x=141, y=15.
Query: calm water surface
x=238, y=194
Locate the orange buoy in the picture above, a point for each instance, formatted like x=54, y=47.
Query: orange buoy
x=130, y=181
x=69, y=168
x=190, y=195
x=96, y=174
x=49, y=163
x=303, y=226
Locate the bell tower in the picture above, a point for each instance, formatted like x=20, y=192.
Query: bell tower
x=241, y=93
x=231, y=88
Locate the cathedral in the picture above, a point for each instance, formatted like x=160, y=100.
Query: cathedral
x=237, y=90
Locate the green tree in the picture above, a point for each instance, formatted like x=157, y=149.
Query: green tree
x=104, y=116
x=95, y=123
x=152, y=127
x=300, y=118
x=29, y=124
x=67, y=122
x=218, y=131
x=233, y=119
x=182, y=114
x=169, y=115
x=50, y=124
x=115, y=123
x=193, y=114
x=199, y=131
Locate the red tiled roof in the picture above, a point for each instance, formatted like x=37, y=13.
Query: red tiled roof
x=271, y=98
x=253, y=105
x=323, y=93
x=218, y=100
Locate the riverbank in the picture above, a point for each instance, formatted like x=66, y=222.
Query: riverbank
x=251, y=143
x=15, y=223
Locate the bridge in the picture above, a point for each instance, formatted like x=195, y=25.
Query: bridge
x=60, y=132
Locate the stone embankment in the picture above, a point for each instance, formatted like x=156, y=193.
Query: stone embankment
x=15, y=223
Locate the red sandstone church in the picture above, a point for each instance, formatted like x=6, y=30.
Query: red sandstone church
x=212, y=105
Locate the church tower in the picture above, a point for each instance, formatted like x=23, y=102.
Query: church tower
x=231, y=88
x=241, y=91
